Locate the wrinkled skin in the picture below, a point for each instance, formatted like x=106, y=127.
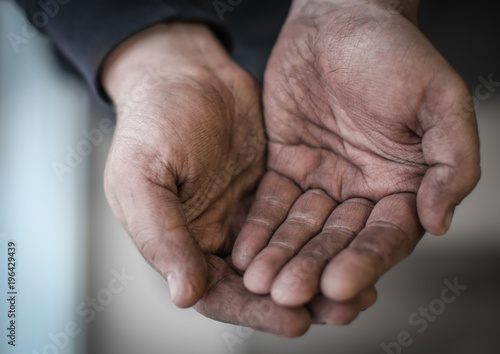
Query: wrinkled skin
x=188, y=152
x=371, y=141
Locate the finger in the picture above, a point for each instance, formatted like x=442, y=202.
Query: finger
x=153, y=217
x=305, y=219
x=367, y=298
x=451, y=148
x=298, y=282
x=227, y=300
x=391, y=233
x=274, y=198
x=326, y=311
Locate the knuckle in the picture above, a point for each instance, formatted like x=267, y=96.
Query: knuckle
x=318, y=253
x=374, y=252
x=303, y=219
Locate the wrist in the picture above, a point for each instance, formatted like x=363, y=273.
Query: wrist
x=180, y=48
x=306, y=8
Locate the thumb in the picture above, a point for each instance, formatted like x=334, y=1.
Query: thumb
x=153, y=217
x=451, y=148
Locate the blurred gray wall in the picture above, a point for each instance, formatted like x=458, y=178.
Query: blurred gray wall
x=42, y=112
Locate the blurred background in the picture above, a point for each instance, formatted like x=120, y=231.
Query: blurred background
x=71, y=249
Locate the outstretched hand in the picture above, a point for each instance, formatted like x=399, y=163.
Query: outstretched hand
x=371, y=137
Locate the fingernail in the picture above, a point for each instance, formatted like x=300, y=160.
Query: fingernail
x=448, y=218
x=173, y=285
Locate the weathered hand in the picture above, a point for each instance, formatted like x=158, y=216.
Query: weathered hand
x=187, y=153
x=371, y=133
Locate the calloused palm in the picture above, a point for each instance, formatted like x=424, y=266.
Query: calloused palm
x=371, y=135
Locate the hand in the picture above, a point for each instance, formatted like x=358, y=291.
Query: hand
x=187, y=149
x=370, y=135
x=187, y=153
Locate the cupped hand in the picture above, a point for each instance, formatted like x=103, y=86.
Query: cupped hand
x=187, y=153
x=372, y=136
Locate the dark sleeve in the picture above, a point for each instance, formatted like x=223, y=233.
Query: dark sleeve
x=86, y=31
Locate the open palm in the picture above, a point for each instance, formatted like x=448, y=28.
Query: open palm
x=370, y=137
x=188, y=152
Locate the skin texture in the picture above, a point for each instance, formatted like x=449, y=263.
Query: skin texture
x=187, y=155
x=372, y=141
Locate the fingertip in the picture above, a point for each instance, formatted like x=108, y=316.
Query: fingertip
x=293, y=288
x=248, y=244
x=330, y=312
x=256, y=281
x=296, y=324
x=284, y=298
x=344, y=316
x=264, y=269
x=434, y=227
x=336, y=288
x=444, y=224
x=367, y=298
x=344, y=278
x=184, y=294
x=187, y=279
x=241, y=258
x=435, y=219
